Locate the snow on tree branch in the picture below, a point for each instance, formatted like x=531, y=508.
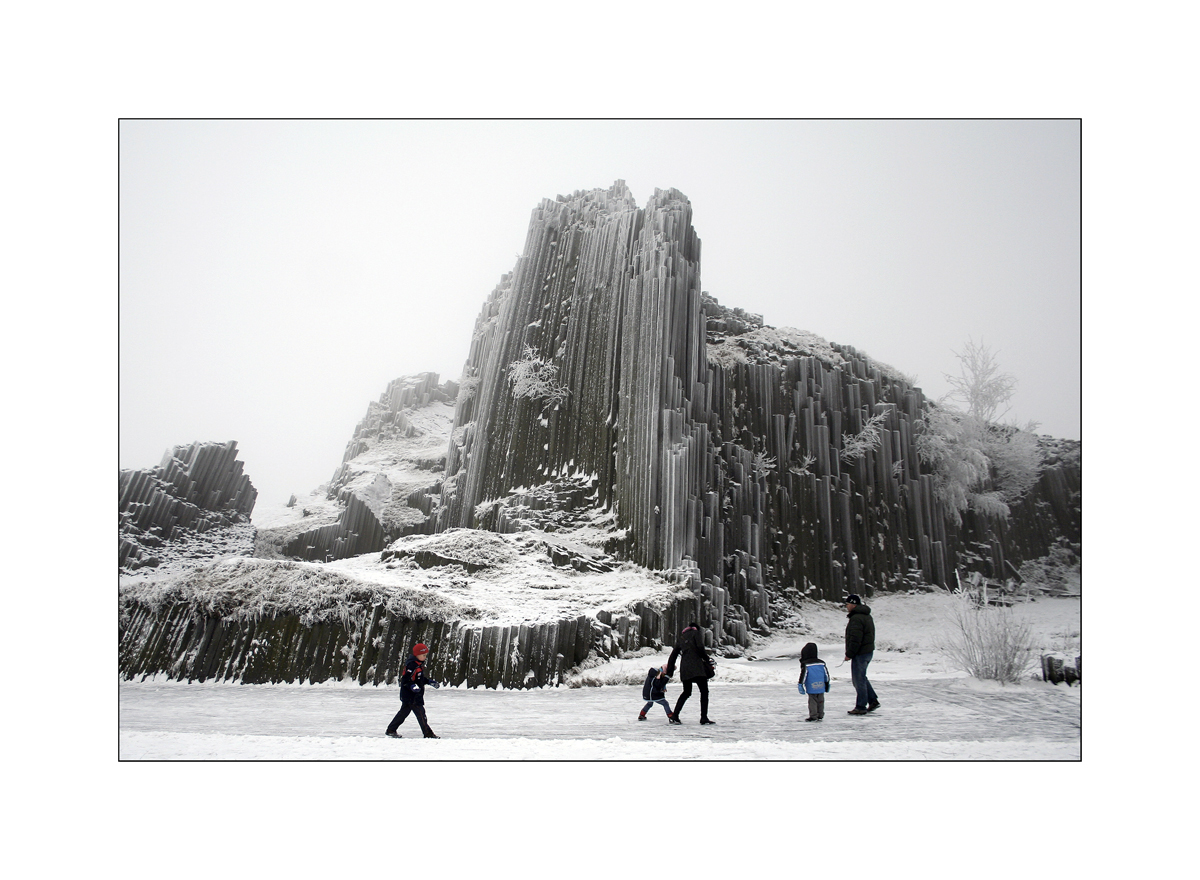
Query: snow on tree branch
x=866, y=440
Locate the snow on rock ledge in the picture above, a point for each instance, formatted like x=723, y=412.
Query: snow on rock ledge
x=498, y=610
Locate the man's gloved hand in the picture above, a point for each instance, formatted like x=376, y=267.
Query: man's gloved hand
x=435, y=685
x=416, y=687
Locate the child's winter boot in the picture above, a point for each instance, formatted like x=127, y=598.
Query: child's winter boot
x=641, y=716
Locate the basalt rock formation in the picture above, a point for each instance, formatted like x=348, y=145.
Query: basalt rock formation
x=498, y=611
x=723, y=446
x=196, y=489
x=609, y=401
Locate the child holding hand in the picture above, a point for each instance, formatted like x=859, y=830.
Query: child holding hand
x=655, y=691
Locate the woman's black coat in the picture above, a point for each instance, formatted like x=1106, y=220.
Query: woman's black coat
x=690, y=650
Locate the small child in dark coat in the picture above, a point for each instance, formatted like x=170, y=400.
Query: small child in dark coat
x=814, y=681
x=655, y=691
x=412, y=693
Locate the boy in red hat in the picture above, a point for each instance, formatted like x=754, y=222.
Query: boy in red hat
x=412, y=693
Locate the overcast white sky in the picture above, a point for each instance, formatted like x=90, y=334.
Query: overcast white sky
x=276, y=275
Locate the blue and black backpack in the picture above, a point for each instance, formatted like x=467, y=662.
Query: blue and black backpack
x=814, y=679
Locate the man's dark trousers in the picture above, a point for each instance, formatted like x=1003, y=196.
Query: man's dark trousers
x=864, y=693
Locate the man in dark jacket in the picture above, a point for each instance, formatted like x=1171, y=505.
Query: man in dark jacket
x=690, y=648
x=412, y=693
x=860, y=648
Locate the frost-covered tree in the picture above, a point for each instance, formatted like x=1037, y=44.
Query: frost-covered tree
x=1015, y=457
x=949, y=442
x=976, y=462
x=980, y=385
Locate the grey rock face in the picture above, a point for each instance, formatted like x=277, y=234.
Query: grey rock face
x=195, y=489
x=387, y=482
x=720, y=443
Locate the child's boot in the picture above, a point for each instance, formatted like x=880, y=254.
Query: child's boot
x=641, y=716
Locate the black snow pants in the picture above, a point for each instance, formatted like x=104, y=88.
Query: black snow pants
x=415, y=708
x=701, y=683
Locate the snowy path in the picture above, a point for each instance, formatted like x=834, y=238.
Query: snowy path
x=919, y=719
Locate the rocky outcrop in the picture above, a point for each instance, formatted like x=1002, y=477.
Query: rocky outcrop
x=1048, y=515
x=181, y=643
x=266, y=621
x=589, y=370
x=195, y=489
x=388, y=481
x=724, y=446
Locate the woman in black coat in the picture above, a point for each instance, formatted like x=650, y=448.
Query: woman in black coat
x=693, y=659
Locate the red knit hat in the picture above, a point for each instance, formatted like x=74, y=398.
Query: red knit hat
x=420, y=649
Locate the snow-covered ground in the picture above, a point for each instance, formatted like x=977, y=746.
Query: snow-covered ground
x=929, y=710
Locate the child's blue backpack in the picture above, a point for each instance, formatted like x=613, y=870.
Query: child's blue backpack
x=815, y=679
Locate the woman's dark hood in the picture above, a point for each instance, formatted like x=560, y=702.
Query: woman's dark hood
x=808, y=652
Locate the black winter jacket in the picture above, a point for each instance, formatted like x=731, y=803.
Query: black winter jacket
x=413, y=681
x=655, y=688
x=690, y=650
x=860, y=632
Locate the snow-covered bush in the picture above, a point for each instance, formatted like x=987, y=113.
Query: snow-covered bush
x=763, y=464
x=988, y=642
x=535, y=378
x=467, y=388
x=805, y=466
